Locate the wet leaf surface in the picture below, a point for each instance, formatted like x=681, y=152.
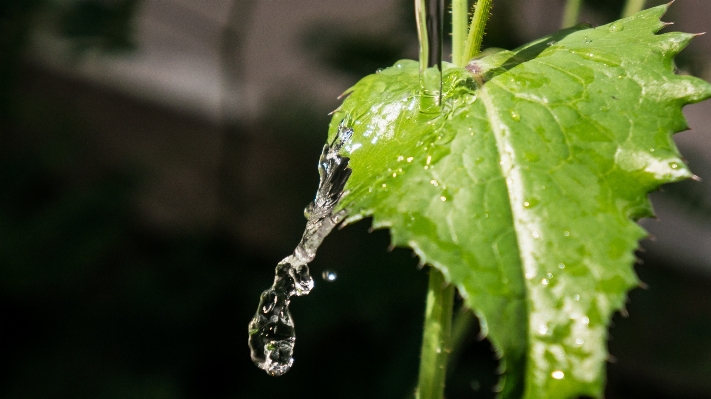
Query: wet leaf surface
x=525, y=188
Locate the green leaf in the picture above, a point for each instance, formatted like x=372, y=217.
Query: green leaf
x=523, y=191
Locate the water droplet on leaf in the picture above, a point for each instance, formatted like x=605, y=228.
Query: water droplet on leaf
x=530, y=203
x=515, y=116
x=558, y=375
x=616, y=27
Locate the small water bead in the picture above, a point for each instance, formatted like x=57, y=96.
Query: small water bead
x=674, y=165
x=545, y=282
x=535, y=235
x=434, y=182
x=576, y=297
x=566, y=233
x=329, y=275
x=409, y=159
x=579, y=341
x=587, y=40
x=561, y=266
x=515, y=116
x=530, y=203
x=558, y=375
x=616, y=27
x=443, y=198
x=585, y=320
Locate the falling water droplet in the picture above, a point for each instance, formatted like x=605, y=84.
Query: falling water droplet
x=271, y=330
x=329, y=275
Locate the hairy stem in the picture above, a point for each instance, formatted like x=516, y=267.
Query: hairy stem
x=435, y=339
x=632, y=7
x=460, y=20
x=571, y=13
x=482, y=11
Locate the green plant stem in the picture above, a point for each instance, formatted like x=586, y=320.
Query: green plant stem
x=571, y=13
x=460, y=20
x=482, y=10
x=461, y=327
x=632, y=7
x=435, y=339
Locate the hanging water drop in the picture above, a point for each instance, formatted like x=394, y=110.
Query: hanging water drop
x=271, y=330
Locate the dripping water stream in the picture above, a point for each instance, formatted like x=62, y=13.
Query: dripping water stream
x=271, y=330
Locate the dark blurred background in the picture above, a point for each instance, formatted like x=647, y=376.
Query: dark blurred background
x=155, y=158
